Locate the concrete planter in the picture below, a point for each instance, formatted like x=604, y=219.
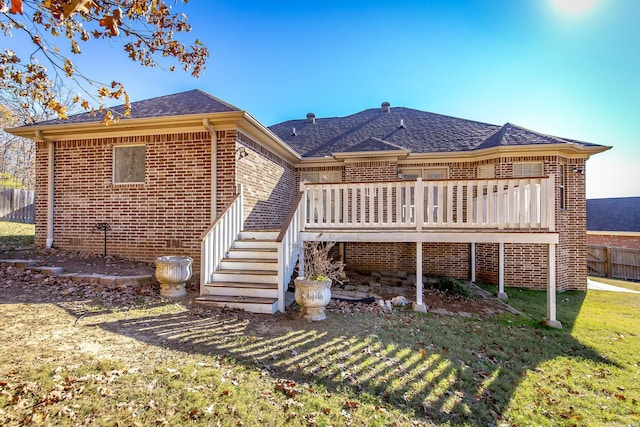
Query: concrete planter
x=313, y=296
x=173, y=272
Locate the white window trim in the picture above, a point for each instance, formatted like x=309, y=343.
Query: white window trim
x=305, y=175
x=113, y=165
x=423, y=172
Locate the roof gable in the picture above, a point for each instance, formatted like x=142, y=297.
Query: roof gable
x=373, y=144
x=178, y=104
x=510, y=135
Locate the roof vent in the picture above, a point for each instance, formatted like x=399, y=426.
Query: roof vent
x=311, y=118
x=385, y=107
x=293, y=132
x=402, y=123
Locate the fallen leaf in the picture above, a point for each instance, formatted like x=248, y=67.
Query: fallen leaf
x=351, y=404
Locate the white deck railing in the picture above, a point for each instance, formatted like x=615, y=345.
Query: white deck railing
x=289, y=247
x=503, y=204
x=217, y=241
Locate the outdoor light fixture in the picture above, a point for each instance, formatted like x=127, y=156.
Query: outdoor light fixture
x=242, y=152
x=577, y=169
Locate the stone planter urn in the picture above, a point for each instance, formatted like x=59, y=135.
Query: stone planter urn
x=313, y=296
x=173, y=272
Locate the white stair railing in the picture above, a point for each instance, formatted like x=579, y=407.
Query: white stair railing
x=289, y=246
x=217, y=241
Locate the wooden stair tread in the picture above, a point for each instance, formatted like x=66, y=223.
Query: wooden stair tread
x=253, y=272
x=236, y=299
x=241, y=285
x=254, y=260
x=253, y=249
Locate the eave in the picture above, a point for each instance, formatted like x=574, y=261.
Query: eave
x=232, y=120
x=567, y=150
x=372, y=155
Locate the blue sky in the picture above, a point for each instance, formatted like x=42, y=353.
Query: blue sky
x=528, y=62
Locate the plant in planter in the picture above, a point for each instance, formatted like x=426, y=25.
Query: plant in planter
x=313, y=288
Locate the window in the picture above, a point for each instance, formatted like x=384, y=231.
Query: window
x=317, y=205
x=486, y=171
x=129, y=164
x=562, y=180
x=325, y=176
x=424, y=173
x=527, y=169
x=427, y=174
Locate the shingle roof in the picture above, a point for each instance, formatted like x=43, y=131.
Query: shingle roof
x=615, y=214
x=405, y=128
x=510, y=134
x=373, y=144
x=178, y=104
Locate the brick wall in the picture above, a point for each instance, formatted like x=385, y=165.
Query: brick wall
x=525, y=265
x=269, y=186
x=613, y=240
x=166, y=215
x=439, y=259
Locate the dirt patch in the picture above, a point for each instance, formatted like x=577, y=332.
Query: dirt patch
x=481, y=304
x=77, y=262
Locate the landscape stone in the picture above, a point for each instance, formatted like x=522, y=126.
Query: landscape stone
x=49, y=270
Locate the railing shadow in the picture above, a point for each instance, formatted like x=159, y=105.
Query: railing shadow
x=453, y=372
x=440, y=368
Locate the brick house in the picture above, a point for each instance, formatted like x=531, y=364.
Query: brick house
x=614, y=222
x=189, y=174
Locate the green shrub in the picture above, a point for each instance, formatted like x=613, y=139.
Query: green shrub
x=454, y=287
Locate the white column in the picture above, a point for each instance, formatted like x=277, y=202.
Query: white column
x=551, y=320
x=473, y=262
x=501, y=292
x=419, y=305
x=301, y=259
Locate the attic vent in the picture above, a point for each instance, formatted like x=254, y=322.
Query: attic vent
x=293, y=132
x=385, y=107
x=311, y=118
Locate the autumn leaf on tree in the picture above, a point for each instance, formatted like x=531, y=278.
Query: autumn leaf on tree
x=111, y=22
x=76, y=6
x=146, y=30
x=16, y=7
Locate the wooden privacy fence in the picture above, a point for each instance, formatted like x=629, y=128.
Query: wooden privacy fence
x=17, y=205
x=613, y=262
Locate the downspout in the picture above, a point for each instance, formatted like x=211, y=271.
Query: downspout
x=51, y=147
x=214, y=168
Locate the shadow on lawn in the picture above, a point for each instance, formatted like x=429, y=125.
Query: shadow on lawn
x=442, y=368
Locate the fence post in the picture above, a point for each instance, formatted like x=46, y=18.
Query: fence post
x=609, y=264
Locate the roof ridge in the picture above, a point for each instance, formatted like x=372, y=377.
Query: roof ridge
x=395, y=109
x=546, y=135
x=215, y=98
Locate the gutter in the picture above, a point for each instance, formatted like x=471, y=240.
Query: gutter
x=50, y=185
x=214, y=167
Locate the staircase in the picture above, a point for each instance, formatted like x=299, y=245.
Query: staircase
x=248, y=276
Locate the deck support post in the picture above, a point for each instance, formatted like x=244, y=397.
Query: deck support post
x=473, y=262
x=419, y=304
x=551, y=320
x=501, y=293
